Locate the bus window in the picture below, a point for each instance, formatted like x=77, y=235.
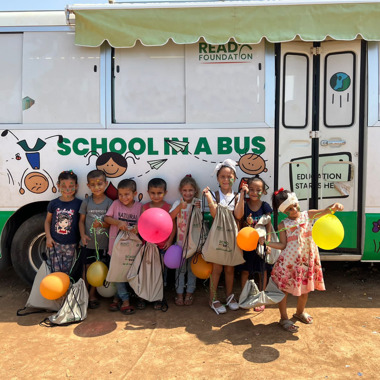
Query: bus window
x=225, y=83
x=11, y=70
x=295, y=90
x=149, y=84
x=339, y=89
x=60, y=81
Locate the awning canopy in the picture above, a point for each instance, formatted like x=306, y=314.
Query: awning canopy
x=154, y=24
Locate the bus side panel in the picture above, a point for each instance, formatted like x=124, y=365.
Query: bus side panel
x=371, y=251
x=4, y=256
x=372, y=238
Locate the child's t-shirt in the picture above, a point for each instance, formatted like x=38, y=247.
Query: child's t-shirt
x=95, y=211
x=121, y=212
x=64, y=228
x=166, y=206
x=256, y=215
x=227, y=200
x=182, y=219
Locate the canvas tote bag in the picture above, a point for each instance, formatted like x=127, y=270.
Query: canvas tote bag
x=73, y=309
x=220, y=246
x=251, y=296
x=35, y=299
x=125, y=249
x=196, y=233
x=262, y=231
x=145, y=275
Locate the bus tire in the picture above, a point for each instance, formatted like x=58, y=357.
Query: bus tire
x=28, y=244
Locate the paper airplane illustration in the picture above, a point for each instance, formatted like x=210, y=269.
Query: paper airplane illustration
x=178, y=146
x=156, y=164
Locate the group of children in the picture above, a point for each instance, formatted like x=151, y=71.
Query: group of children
x=97, y=220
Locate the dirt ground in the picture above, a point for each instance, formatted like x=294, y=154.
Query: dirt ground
x=195, y=343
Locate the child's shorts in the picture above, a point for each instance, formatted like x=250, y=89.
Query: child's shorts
x=61, y=257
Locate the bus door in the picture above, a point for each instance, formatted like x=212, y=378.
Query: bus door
x=320, y=127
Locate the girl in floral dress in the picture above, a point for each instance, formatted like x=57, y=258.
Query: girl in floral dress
x=298, y=269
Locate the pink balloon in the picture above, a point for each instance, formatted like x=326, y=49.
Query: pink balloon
x=173, y=257
x=155, y=225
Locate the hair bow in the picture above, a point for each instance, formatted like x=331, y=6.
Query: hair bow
x=279, y=191
x=228, y=162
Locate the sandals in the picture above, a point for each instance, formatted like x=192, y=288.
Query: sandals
x=114, y=306
x=221, y=309
x=160, y=305
x=231, y=302
x=304, y=318
x=259, y=309
x=189, y=299
x=178, y=300
x=288, y=325
x=127, y=309
x=141, y=304
x=93, y=304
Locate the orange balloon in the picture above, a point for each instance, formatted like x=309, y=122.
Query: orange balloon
x=247, y=239
x=54, y=285
x=201, y=268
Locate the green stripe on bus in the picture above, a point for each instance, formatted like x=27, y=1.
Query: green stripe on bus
x=4, y=216
x=372, y=238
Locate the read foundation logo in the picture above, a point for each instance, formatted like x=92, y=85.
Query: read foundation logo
x=228, y=53
x=223, y=246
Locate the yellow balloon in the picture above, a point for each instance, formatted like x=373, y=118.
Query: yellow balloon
x=328, y=232
x=247, y=239
x=54, y=285
x=97, y=273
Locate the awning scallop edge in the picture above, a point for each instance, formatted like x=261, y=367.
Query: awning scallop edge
x=219, y=24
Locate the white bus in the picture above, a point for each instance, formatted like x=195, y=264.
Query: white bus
x=288, y=89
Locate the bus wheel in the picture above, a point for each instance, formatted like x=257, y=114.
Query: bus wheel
x=28, y=244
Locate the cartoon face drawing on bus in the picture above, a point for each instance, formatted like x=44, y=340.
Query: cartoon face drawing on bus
x=112, y=164
x=251, y=164
x=36, y=182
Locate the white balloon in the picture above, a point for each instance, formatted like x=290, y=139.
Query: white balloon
x=108, y=292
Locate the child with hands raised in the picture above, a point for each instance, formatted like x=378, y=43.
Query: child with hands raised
x=226, y=177
x=298, y=269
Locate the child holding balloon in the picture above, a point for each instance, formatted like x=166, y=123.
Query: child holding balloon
x=157, y=190
x=298, y=269
x=61, y=223
x=123, y=215
x=251, y=211
x=181, y=211
x=94, y=237
x=226, y=177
